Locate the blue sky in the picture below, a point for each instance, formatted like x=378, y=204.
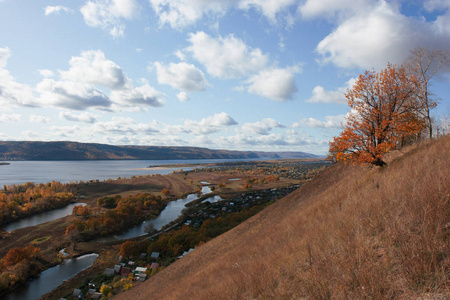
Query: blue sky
x=264, y=75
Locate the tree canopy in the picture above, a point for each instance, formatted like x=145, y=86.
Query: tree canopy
x=383, y=112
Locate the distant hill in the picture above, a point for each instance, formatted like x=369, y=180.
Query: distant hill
x=26, y=150
x=352, y=232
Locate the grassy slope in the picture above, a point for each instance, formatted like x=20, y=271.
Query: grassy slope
x=350, y=233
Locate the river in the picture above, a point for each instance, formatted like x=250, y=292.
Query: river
x=42, y=217
x=52, y=278
x=19, y=172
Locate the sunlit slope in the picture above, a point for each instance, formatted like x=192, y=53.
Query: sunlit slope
x=350, y=233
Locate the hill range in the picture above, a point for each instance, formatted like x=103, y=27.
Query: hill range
x=47, y=151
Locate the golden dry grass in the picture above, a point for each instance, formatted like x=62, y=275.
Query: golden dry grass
x=353, y=232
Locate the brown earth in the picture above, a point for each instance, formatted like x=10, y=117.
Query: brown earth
x=353, y=232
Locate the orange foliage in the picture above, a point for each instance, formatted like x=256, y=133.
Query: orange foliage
x=17, y=255
x=382, y=115
x=19, y=201
x=165, y=192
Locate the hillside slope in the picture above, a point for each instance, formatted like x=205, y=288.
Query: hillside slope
x=350, y=233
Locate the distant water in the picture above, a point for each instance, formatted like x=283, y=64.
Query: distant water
x=19, y=172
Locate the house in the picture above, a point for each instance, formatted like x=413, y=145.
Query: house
x=91, y=291
x=140, y=270
x=154, y=255
x=141, y=277
x=117, y=269
x=76, y=292
x=125, y=271
x=142, y=255
x=96, y=295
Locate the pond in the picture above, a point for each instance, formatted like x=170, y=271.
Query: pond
x=53, y=277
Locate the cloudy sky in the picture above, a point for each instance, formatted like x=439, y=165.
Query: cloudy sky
x=225, y=74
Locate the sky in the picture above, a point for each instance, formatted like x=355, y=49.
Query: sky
x=259, y=75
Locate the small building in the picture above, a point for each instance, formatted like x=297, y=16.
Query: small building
x=117, y=269
x=140, y=270
x=154, y=255
x=109, y=272
x=76, y=292
x=131, y=263
x=96, y=295
x=141, y=277
x=143, y=255
x=91, y=291
x=124, y=271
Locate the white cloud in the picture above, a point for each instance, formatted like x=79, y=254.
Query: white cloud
x=5, y=54
x=92, y=67
x=431, y=5
x=84, y=117
x=269, y=8
x=55, y=9
x=273, y=142
x=182, y=96
x=182, y=76
x=71, y=95
x=227, y=57
x=183, y=13
x=8, y=118
x=371, y=37
x=46, y=73
x=181, y=56
x=205, y=126
x=39, y=119
x=143, y=95
x=320, y=95
x=12, y=92
x=262, y=127
x=274, y=83
x=120, y=125
x=109, y=14
x=330, y=122
x=333, y=8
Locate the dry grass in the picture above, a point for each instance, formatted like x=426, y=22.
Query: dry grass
x=351, y=233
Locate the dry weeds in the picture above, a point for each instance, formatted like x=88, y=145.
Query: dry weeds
x=351, y=233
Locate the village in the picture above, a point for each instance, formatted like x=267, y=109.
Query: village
x=132, y=270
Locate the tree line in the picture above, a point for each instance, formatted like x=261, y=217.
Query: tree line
x=20, y=201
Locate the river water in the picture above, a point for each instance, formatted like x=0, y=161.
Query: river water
x=19, y=172
x=42, y=217
x=53, y=277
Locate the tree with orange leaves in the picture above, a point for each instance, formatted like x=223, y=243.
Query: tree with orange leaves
x=382, y=113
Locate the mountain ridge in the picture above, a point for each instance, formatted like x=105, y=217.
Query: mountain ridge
x=62, y=150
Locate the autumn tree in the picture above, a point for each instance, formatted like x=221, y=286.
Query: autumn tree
x=165, y=192
x=382, y=113
x=424, y=65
